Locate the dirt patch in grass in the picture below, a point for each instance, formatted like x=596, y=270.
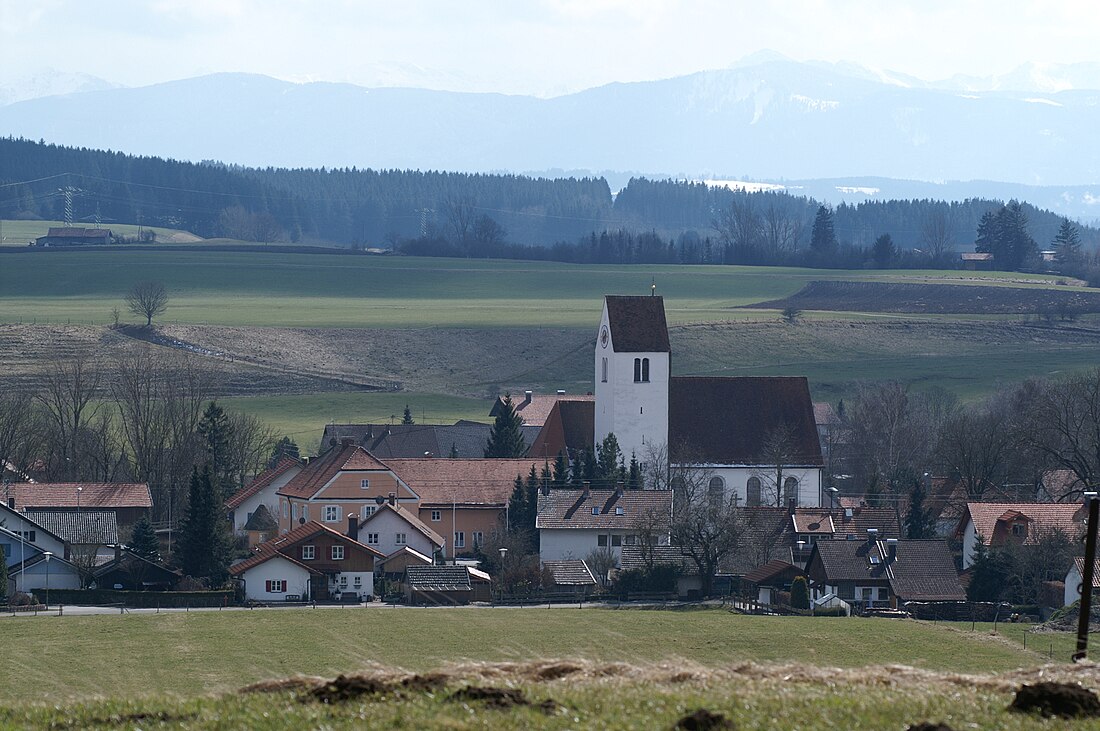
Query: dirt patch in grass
x=935, y=299
x=926, y=726
x=703, y=720
x=348, y=687
x=1064, y=700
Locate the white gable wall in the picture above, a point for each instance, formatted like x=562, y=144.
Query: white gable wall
x=278, y=568
x=266, y=496
x=637, y=413
x=737, y=479
x=387, y=524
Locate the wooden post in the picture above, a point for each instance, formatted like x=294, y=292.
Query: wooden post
x=1085, y=613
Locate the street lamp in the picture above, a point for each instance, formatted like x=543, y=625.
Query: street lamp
x=503, y=554
x=48, y=556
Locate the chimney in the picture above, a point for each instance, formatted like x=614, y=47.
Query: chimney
x=118, y=552
x=353, y=527
x=393, y=498
x=587, y=491
x=561, y=391
x=872, y=535
x=619, y=488
x=11, y=503
x=526, y=398
x=892, y=550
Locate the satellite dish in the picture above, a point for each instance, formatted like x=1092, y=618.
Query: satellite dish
x=301, y=521
x=379, y=499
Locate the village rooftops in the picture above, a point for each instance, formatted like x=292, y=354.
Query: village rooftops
x=570, y=572
x=534, y=408
x=602, y=509
x=635, y=557
x=466, y=439
x=467, y=482
x=91, y=496
x=569, y=427
x=276, y=547
x=437, y=578
x=637, y=324
x=318, y=473
x=727, y=421
x=83, y=527
x=995, y=522
x=413, y=522
x=261, y=481
x=917, y=570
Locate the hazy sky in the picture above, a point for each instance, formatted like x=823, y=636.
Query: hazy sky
x=543, y=47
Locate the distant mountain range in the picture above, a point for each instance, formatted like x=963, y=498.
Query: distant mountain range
x=765, y=119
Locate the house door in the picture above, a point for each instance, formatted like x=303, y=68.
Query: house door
x=318, y=588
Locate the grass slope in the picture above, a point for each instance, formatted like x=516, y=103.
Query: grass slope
x=310, y=290
x=190, y=653
x=19, y=233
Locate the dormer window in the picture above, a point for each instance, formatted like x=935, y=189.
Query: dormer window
x=619, y=510
x=595, y=511
x=1019, y=529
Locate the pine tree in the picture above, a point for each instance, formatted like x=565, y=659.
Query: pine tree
x=919, y=521
x=883, y=251
x=607, y=461
x=285, y=447
x=204, y=539
x=408, y=417
x=517, y=505
x=215, y=431
x=143, y=540
x=1067, y=243
x=561, y=470
x=506, y=437
x=823, y=236
x=634, y=478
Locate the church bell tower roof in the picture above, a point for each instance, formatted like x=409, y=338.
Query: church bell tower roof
x=637, y=324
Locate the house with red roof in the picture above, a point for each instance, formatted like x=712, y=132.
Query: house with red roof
x=262, y=491
x=392, y=528
x=573, y=523
x=128, y=501
x=999, y=524
x=311, y=562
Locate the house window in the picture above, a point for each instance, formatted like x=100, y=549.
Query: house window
x=790, y=490
x=478, y=538
x=637, y=370
x=286, y=507
x=400, y=539
x=332, y=513
x=1018, y=529
x=29, y=536
x=372, y=539
x=276, y=586
x=309, y=553
x=752, y=490
x=645, y=370
x=883, y=594
x=358, y=581
x=603, y=370
x=460, y=539
x=630, y=540
x=337, y=553
x=305, y=512
x=866, y=594
x=364, y=484
x=368, y=511
x=343, y=581
x=601, y=540
x=596, y=510
x=437, y=515
x=616, y=540
x=619, y=510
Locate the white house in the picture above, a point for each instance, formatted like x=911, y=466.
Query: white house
x=36, y=575
x=747, y=433
x=392, y=528
x=574, y=523
x=263, y=490
x=22, y=533
x=1075, y=578
x=271, y=576
x=1000, y=524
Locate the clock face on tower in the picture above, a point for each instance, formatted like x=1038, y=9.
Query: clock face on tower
x=604, y=336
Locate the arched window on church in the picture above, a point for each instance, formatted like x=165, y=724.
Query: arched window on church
x=716, y=491
x=637, y=370
x=790, y=490
x=752, y=492
x=645, y=370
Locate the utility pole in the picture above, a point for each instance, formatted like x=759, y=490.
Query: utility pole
x=1084, y=614
x=68, y=192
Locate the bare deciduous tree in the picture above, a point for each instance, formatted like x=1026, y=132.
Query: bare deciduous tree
x=460, y=214
x=779, y=450
x=738, y=225
x=1063, y=425
x=781, y=231
x=935, y=232
x=18, y=426
x=147, y=299
x=976, y=444
x=68, y=396
x=708, y=525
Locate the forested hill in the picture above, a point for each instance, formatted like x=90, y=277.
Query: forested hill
x=381, y=208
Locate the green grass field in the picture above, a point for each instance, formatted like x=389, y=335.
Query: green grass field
x=314, y=290
x=19, y=233
x=620, y=669
x=189, y=653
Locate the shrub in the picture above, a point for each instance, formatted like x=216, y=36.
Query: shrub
x=800, y=593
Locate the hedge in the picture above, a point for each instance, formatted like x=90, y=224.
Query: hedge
x=143, y=599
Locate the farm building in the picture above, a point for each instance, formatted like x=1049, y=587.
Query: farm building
x=75, y=236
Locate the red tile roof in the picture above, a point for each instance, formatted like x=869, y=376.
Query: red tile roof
x=825, y=414
x=568, y=508
x=535, y=411
x=813, y=522
x=285, y=542
x=263, y=555
x=1066, y=517
x=570, y=426
x=637, y=324
x=484, y=482
x=771, y=570
x=261, y=481
x=320, y=471
x=109, y=495
x=726, y=420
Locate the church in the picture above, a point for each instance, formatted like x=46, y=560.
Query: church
x=748, y=433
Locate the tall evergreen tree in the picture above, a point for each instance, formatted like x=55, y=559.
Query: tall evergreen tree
x=408, y=416
x=561, y=470
x=143, y=540
x=1067, y=243
x=823, y=235
x=883, y=251
x=216, y=431
x=506, y=437
x=919, y=521
x=634, y=477
x=204, y=535
x=285, y=447
x=517, y=505
x=608, y=458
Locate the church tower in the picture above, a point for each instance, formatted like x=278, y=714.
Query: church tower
x=633, y=363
